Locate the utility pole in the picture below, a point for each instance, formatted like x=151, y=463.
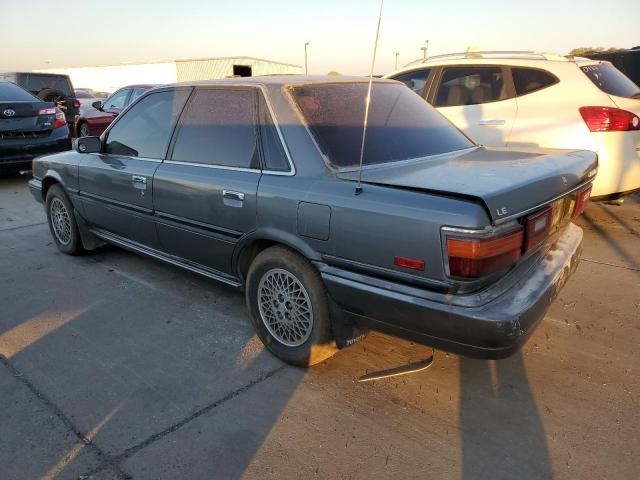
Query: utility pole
x=424, y=51
x=397, y=53
x=306, y=68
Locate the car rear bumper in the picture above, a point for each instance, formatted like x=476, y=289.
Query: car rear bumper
x=618, y=164
x=15, y=153
x=494, y=323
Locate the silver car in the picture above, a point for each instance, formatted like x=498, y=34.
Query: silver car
x=255, y=183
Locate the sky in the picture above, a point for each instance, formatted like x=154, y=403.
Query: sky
x=341, y=33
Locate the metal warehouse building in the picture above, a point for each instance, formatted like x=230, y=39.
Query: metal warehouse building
x=108, y=78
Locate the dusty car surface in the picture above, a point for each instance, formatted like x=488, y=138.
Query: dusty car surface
x=252, y=182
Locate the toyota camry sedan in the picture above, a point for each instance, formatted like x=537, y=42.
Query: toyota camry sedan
x=260, y=184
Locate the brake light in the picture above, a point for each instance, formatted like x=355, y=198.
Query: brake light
x=76, y=103
x=477, y=257
x=581, y=201
x=61, y=120
x=47, y=111
x=609, y=119
x=537, y=228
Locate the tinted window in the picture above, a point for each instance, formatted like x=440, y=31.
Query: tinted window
x=145, y=129
x=219, y=128
x=527, y=80
x=13, y=93
x=415, y=80
x=117, y=99
x=470, y=86
x=611, y=80
x=273, y=152
x=401, y=125
x=36, y=83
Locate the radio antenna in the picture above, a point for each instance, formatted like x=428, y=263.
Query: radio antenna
x=368, y=102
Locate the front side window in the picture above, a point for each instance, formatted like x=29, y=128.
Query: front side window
x=117, y=100
x=401, y=125
x=611, y=80
x=219, y=128
x=145, y=129
x=470, y=86
x=415, y=80
x=528, y=80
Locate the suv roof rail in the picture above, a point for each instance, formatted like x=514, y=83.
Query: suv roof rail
x=520, y=54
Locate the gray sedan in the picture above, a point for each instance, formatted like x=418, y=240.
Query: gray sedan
x=254, y=183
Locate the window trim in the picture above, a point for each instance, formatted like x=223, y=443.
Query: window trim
x=509, y=88
x=556, y=80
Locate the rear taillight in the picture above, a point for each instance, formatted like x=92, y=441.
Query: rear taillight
x=609, y=119
x=60, y=120
x=47, y=111
x=582, y=199
x=537, y=228
x=474, y=257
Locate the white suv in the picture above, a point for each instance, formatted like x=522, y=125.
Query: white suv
x=526, y=99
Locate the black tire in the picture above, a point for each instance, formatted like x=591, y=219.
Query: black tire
x=320, y=344
x=64, y=229
x=84, y=130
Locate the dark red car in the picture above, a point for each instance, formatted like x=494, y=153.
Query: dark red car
x=94, y=119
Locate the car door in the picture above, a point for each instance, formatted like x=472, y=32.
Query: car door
x=479, y=100
x=111, y=108
x=116, y=185
x=205, y=192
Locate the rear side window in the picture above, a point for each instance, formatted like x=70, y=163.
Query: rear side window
x=470, y=86
x=13, y=93
x=415, y=80
x=145, y=129
x=219, y=128
x=401, y=125
x=272, y=150
x=38, y=83
x=527, y=80
x=611, y=80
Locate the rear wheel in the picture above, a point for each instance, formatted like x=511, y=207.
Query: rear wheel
x=289, y=307
x=62, y=223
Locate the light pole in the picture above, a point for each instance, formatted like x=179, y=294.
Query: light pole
x=397, y=53
x=306, y=69
x=424, y=51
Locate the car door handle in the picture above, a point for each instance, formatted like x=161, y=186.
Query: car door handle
x=139, y=181
x=492, y=122
x=231, y=195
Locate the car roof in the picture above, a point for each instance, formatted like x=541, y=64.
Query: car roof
x=271, y=80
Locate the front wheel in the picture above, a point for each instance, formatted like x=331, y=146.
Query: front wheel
x=62, y=223
x=289, y=307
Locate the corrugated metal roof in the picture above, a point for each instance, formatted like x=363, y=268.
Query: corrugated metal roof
x=215, y=68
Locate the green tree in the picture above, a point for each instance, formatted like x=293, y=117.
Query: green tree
x=334, y=73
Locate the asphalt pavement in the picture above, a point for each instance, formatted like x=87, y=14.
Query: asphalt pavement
x=116, y=366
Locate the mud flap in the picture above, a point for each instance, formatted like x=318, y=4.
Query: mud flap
x=345, y=331
x=89, y=240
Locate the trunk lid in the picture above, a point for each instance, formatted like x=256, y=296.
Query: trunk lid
x=508, y=182
x=25, y=117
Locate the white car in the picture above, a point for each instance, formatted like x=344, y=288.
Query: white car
x=526, y=99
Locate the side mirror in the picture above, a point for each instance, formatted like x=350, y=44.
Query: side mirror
x=87, y=144
x=97, y=105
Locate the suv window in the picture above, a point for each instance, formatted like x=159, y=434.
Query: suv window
x=527, y=80
x=274, y=155
x=145, y=129
x=10, y=92
x=401, y=125
x=116, y=100
x=37, y=82
x=611, y=80
x=470, y=86
x=415, y=80
x=219, y=128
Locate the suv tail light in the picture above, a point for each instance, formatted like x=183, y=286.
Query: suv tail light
x=609, y=119
x=581, y=201
x=474, y=257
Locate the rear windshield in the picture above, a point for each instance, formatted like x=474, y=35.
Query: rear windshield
x=13, y=93
x=401, y=124
x=611, y=80
x=37, y=83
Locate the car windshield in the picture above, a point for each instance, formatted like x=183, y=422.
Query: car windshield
x=401, y=125
x=611, y=80
x=13, y=93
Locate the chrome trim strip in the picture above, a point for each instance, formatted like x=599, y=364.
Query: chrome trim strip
x=112, y=238
x=218, y=167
